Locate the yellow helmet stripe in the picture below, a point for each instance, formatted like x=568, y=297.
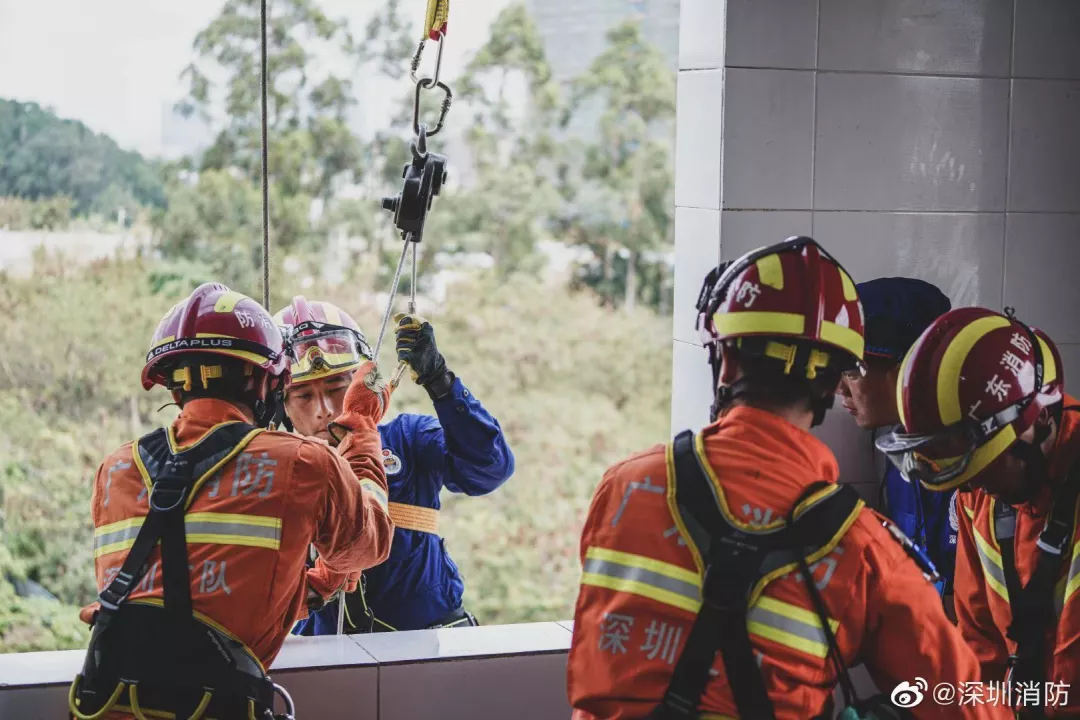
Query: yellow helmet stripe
x=746, y=323
x=948, y=381
x=771, y=272
x=849, y=286
x=843, y=337
x=981, y=458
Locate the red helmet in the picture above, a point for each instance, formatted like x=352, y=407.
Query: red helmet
x=323, y=340
x=972, y=383
x=215, y=319
x=791, y=301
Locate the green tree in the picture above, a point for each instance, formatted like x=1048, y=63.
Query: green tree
x=626, y=173
x=310, y=144
x=43, y=156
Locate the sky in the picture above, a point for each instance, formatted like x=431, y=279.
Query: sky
x=115, y=64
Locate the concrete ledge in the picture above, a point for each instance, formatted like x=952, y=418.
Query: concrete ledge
x=474, y=672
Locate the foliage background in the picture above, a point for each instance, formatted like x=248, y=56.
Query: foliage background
x=577, y=369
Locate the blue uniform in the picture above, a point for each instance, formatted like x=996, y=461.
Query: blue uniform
x=464, y=451
x=928, y=518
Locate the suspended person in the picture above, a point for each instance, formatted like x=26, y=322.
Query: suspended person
x=739, y=504
x=462, y=449
x=189, y=628
x=984, y=409
x=896, y=310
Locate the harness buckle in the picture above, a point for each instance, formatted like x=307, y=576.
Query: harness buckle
x=117, y=591
x=173, y=495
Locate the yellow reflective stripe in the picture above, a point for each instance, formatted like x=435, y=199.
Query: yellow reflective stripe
x=771, y=271
x=789, y=625
x=843, y=337
x=990, y=559
x=1073, y=578
x=377, y=492
x=121, y=525
x=746, y=323
x=202, y=528
x=952, y=362
x=639, y=575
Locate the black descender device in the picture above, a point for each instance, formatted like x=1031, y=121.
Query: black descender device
x=423, y=179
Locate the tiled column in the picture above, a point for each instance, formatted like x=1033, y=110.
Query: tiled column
x=937, y=139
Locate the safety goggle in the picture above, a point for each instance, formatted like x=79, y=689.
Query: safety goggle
x=326, y=350
x=935, y=460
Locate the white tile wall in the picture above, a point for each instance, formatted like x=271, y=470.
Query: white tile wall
x=1070, y=358
x=1042, y=257
x=920, y=145
x=956, y=37
x=698, y=138
x=771, y=33
x=890, y=142
x=1046, y=43
x=1044, y=167
x=960, y=253
x=691, y=396
x=701, y=34
x=768, y=139
x=744, y=230
x=697, y=251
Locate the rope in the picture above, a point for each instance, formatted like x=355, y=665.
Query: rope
x=265, y=172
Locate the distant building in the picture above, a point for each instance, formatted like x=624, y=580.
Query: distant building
x=574, y=33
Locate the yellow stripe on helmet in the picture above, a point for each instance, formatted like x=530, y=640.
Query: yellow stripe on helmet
x=952, y=363
x=771, y=271
x=843, y=337
x=981, y=458
x=758, y=323
x=1050, y=369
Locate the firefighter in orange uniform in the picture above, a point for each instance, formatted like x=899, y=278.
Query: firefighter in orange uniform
x=694, y=600
x=983, y=408
x=202, y=529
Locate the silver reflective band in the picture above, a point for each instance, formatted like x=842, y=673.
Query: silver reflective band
x=641, y=575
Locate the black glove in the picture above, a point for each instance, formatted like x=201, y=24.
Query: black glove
x=416, y=347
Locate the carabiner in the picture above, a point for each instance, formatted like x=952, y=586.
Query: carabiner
x=415, y=65
x=426, y=84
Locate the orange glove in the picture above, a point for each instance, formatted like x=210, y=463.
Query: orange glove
x=366, y=402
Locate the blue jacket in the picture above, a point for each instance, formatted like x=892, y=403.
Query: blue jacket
x=464, y=451
x=928, y=518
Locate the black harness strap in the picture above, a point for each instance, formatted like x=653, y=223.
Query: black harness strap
x=173, y=485
x=735, y=560
x=1032, y=605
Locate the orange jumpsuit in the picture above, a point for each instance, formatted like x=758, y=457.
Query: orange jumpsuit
x=630, y=630
x=250, y=526
x=981, y=597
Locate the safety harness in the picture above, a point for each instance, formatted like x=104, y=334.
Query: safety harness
x=162, y=654
x=739, y=562
x=1032, y=605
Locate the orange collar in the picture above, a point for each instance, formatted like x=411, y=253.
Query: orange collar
x=773, y=435
x=201, y=415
